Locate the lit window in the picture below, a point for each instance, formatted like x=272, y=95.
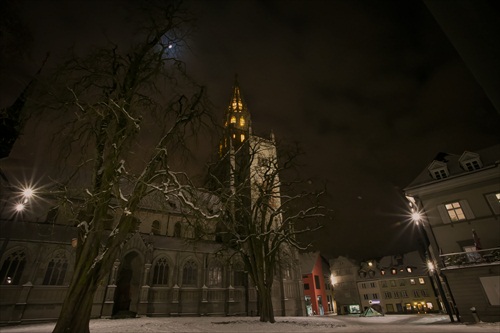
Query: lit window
x=242, y=121
x=382, y=272
x=160, y=272
x=56, y=270
x=412, y=281
x=409, y=269
x=421, y=280
x=455, y=211
x=242, y=137
x=13, y=267
x=233, y=120
x=394, y=271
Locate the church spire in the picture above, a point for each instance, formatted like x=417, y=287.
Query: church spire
x=237, y=122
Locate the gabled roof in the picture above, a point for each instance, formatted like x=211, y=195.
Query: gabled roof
x=308, y=261
x=489, y=157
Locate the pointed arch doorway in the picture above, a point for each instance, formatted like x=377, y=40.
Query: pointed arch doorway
x=126, y=297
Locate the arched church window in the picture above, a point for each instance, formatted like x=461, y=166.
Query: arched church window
x=242, y=121
x=13, y=267
x=239, y=275
x=56, y=270
x=160, y=272
x=190, y=273
x=177, y=230
x=242, y=137
x=233, y=120
x=155, y=227
x=215, y=275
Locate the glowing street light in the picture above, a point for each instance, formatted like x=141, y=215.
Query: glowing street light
x=20, y=207
x=28, y=193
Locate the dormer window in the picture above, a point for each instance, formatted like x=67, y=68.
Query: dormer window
x=440, y=174
x=438, y=170
x=470, y=161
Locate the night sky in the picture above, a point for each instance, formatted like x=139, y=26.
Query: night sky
x=372, y=91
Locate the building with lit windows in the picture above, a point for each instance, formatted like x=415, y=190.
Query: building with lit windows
x=456, y=198
x=164, y=269
x=397, y=284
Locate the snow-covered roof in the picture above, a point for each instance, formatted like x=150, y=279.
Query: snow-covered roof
x=489, y=157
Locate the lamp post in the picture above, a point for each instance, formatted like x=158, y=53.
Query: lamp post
x=418, y=219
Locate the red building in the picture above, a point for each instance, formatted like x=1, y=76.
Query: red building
x=315, y=294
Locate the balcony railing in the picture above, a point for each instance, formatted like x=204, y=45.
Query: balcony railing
x=473, y=258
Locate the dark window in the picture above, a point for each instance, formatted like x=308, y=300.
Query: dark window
x=306, y=286
x=190, y=273
x=316, y=282
x=160, y=272
x=155, y=227
x=13, y=267
x=177, y=230
x=239, y=278
x=56, y=270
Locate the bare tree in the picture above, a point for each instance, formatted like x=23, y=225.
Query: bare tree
x=263, y=215
x=108, y=95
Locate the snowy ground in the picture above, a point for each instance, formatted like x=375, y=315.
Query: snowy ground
x=394, y=323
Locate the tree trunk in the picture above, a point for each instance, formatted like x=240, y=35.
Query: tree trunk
x=77, y=307
x=266, y=306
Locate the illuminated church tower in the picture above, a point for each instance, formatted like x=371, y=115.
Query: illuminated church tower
x=237, y=123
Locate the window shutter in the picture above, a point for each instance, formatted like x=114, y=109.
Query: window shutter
x=444, y=214
x=494, y=204
x=466, y=209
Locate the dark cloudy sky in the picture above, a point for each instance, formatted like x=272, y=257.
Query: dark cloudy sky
x=372, y=90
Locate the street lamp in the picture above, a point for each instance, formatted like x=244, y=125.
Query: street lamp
x=418, y=217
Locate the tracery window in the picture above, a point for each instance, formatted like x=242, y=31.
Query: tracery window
x=215, y=275
x=239, y=276
x=160, y=272
x=56, y=270
x=13, y=267
x=190, y=273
